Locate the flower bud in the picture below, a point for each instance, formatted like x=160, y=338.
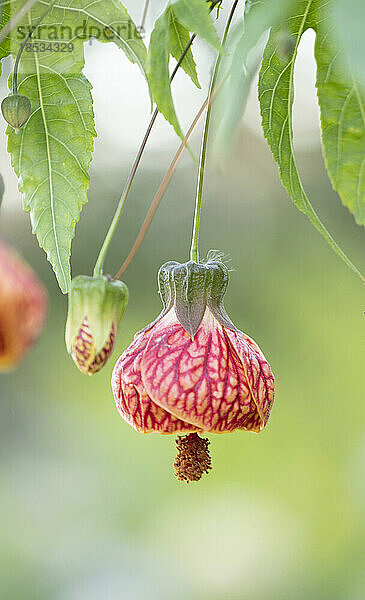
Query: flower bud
x=192, y=371
x=16, y=110
x=190, y=288
x=23, y=307
x=95, y=308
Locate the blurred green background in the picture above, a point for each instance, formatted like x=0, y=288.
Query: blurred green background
x=90, y=509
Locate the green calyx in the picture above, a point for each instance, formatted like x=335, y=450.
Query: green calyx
x=190, y=288
x=101, y=301
x=16, y=110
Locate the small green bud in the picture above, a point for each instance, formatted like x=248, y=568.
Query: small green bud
x=95, y=308
x=16, y=110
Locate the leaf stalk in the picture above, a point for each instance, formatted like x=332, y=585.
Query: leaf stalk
x=98, y=269
x=23, y=44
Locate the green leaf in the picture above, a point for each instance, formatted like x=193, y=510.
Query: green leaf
x=192, y=16
x=51, y=154
x=349, y=19
x=341, y=97
x=5, y=44
x=195, y=16
x=238, y=66
x=179, y=39
x=276, y=94
x=158, y=71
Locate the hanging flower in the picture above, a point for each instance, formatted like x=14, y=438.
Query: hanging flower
x=95, y=308
x=23, y=307
x=191, y=370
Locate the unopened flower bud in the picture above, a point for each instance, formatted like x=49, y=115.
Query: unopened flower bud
x=95, y=308
x=16, y=110
x=23, y=307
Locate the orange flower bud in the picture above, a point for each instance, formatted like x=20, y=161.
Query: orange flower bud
x=23, y=307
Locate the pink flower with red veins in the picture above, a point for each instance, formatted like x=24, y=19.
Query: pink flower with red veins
x=23, y=307
x=192, y=371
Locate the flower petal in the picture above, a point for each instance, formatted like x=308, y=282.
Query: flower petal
x=206, y=381
x=83, y=350
x=259, y=377
x=132, y=400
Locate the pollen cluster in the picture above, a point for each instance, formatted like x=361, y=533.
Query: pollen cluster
x=193, y=458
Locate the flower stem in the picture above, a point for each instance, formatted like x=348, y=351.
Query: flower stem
x=22, y=46
x=144, y=16
x=163, y=186
x=16, y=18
x=159, y=194
x=98, y=269
x=194, y=250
